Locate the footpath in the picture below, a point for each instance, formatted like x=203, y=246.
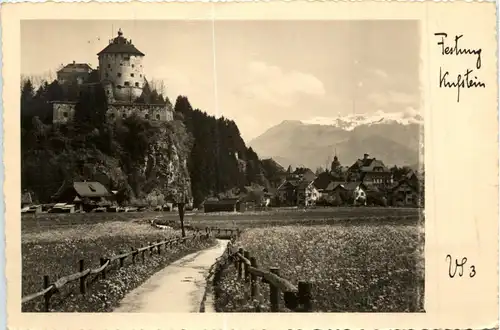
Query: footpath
x=178, y=288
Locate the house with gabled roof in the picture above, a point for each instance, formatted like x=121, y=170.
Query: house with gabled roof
x=302, y=173
x=307, y=194
x=84, y=195
x=286, y=193
x=370, y=171
x=408, y=191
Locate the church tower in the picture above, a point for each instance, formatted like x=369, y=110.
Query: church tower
x=120, y=70
x=335, y=167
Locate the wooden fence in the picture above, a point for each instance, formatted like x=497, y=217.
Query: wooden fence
x=296, y=298
x=49, y=289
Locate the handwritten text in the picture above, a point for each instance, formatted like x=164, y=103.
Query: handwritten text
x=469, y=78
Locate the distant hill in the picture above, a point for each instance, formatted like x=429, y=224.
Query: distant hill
x=394, y=138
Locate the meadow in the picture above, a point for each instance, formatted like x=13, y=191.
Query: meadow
x=271, y=217
x=56, y=252
x=319, y=244
x=353, y=268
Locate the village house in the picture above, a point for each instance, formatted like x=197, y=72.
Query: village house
x=408, y=192
x=287, y=193
x=322, y=181
x=227, y=205
x=301, y=173
x=307, y=194
x=84, y=195
x=370, y=171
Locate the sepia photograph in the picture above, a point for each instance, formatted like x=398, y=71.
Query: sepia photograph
x=233, y=166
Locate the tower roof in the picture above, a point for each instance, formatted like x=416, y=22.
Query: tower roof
x=120, y=45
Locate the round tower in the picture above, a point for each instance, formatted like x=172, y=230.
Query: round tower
x=120, y=69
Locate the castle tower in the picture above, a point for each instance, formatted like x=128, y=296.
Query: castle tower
x=120, y=69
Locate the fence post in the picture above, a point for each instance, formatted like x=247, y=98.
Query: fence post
x=82, y=279
x=133, y=255
x=142, y=253
x=246, y=254
x=240, y=264
x=47, y=295
x=150, y=249
x=253, y=278
x=304, y=296
x=274, y=292
x=121, y=260
x=103, y=261
x=159, y=247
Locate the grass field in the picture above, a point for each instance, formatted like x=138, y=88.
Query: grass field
x=56, y=252
x=353, y=268
x=273, y=217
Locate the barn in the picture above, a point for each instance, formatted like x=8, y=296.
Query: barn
x=84, y=195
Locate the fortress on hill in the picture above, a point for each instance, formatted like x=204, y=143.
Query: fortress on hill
x=121, y=73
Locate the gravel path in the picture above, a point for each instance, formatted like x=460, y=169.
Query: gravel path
x=178, y=288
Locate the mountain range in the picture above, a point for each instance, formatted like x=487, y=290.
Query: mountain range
x=395, y=138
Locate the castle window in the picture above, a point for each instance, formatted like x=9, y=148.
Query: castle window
x=140, y=75
x=107, y=75
x=127, y=83
x=119, y=86
x=133, y=66
x=124, y=116
x=107, y=92
x=119, y=74
x=109, y=66
x=112, y=116
x=65, y=114
x=126, y=58
x=131, y=74
x=158, y=117
x=137, y=84
x=146, y=116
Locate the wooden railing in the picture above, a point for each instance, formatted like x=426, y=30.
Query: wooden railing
x=296, y=298
x=49, y=289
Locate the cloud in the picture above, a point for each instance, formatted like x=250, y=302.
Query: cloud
x=270, y=84
x=382, y=99
x=379, y=73
x=185, y=81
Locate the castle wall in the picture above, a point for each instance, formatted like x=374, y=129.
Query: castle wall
x=125, y=73
x=65, y=112
x=147, y=111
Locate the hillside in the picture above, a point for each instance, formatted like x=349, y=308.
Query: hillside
x=147, y=162
x=396, y=140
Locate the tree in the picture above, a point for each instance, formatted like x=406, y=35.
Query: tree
x=90, y=111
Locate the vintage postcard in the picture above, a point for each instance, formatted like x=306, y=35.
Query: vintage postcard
x=266, y=165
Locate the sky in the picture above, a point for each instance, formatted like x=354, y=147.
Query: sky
x=258, y=73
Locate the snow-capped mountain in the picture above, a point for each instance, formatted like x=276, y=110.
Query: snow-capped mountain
x=351, y=121
x=395, y=138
